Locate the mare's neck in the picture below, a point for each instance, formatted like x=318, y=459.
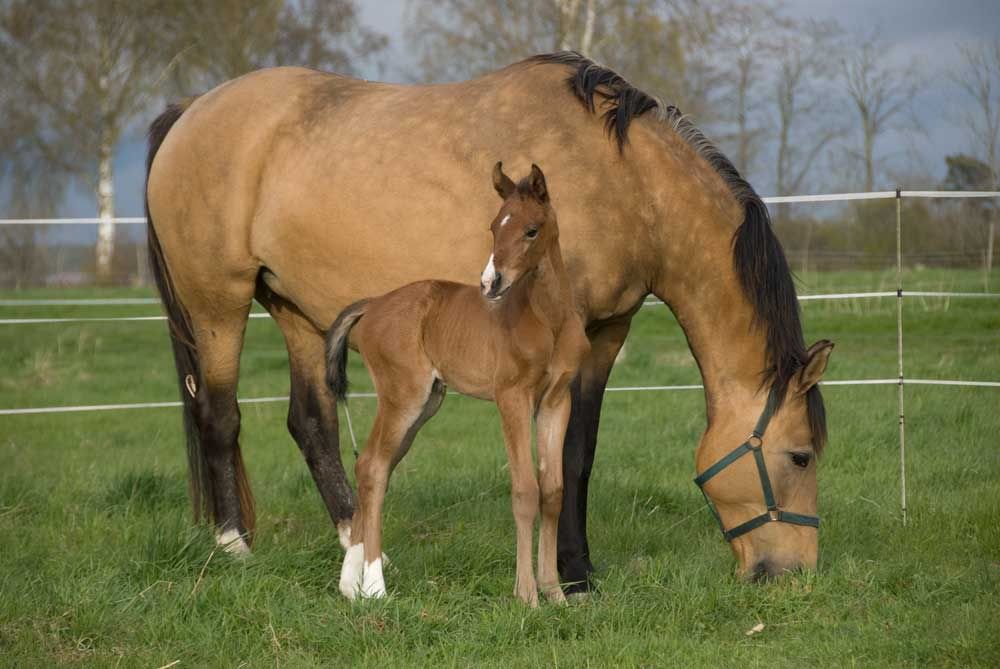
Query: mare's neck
x=695, y=276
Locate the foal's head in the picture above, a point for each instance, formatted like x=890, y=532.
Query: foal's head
x=523, y=231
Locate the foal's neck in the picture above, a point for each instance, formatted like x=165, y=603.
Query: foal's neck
x=548, y=290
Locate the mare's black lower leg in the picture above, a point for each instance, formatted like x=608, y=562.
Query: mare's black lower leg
x=312, y=408
x=573, y=553
x=312, y=421
x=218, y=420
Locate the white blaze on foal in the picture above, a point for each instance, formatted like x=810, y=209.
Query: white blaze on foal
x=489, y=274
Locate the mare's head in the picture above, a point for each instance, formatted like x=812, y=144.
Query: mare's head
x=757, y=466
x=523, y=231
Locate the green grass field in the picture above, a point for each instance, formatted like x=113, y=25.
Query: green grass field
x=100, y=565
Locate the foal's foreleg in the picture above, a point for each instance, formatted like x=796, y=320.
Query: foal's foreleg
x=515, y=413
x=553, y=416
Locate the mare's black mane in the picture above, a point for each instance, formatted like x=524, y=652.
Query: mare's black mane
x=758, y=258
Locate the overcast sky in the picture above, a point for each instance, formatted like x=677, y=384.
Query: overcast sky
x=922, y=30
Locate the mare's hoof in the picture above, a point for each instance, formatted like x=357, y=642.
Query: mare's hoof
x=575, y=576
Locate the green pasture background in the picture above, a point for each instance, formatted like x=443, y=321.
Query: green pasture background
x=100, y=565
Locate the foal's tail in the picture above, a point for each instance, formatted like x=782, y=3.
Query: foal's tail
x=336, y=347
x=186, y=358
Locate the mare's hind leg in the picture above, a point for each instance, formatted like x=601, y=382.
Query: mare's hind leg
x=312, y=411
x=221, y=476
x=403, y=408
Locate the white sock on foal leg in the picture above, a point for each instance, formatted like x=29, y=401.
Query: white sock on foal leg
x=373, y=584
x=351, y=572
x=232, y=542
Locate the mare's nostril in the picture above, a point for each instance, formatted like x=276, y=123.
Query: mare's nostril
x=495, y=286
x=760, y=572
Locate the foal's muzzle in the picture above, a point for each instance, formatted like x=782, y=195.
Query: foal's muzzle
x=493, y=290
x=491, y=282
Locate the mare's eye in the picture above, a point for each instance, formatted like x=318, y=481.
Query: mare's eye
x=531, y=233
x=801, y=459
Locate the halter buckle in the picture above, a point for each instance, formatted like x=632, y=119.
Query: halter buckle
x=755, y=441
x=774, y=514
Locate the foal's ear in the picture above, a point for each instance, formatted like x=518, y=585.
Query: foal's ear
x=538, y=187
x=501, y=182
x=816, y=358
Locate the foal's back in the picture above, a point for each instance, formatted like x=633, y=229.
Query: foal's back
x=442, y=328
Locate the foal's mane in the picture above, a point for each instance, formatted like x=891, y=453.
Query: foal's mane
x=758, y=258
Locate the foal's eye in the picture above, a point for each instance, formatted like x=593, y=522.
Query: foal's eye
x=801, y=459
x=531, y=233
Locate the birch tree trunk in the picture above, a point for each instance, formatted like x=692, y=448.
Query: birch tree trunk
x=588, y=28
x=105, y=209
x=105, y=247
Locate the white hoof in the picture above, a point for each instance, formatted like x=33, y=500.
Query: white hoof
x=351, y=573
x=373, y=584
x=233, y=543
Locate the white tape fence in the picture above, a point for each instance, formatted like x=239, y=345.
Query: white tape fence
x=901, y=381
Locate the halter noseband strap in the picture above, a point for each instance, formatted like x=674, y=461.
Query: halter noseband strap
x=753, y=444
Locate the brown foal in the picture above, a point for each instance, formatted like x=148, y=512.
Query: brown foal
x=517, y=339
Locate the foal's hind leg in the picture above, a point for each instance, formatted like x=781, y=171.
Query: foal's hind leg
x=312, y=411
x=403, y=408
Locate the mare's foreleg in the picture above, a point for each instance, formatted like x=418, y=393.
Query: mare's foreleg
x=578, y=453
x=515, y=413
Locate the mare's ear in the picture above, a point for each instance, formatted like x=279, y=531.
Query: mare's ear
x=816, y=358
x=538, y=187
x=501, y=182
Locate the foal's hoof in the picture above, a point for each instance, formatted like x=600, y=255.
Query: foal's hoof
x=529, y=597
x=352, y=571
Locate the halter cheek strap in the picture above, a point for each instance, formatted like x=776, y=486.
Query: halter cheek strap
x=753, y=444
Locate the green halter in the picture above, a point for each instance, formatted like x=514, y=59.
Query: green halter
x=753, y=444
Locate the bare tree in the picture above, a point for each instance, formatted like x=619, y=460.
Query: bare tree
x=744, y=42
x=85, y=69
x=979, y=79
x=224, y=39
x=662, y=46
x=576, y=31
x=457, y=39
x=805, y=126
x=881, y=93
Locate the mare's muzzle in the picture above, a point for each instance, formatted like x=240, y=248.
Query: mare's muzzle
x=754, y=444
